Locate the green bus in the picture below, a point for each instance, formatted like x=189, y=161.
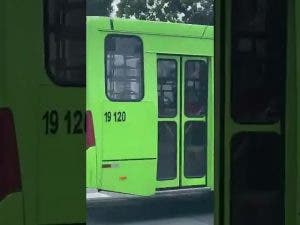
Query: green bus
x=150, y=107
x=42, y=96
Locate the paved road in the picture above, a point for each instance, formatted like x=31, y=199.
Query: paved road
x=194, y=208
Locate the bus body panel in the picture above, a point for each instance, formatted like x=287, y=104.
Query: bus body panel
x=158, y=28
x=128, y=140
x=93, y=157
x=176, y=45
x=52, y=165
x=61, y=179
x=20, y=95
x=2, y=48
x=91, y=167
x=130, y=176
x=13, y=201
x=297, y=24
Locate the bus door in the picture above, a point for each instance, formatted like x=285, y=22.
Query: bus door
x=182, y=121
x=128, y=137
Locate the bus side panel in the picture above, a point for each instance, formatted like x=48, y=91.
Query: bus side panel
x=180, y=46
x=291, y=126
x=61, y=134
x=131, y=176
x=91, y=152
x=11, y=210
x=61, y=158
x=11, y=207
x=91, y=168
x=2, y=49
x=52, y=172
x=94, y=81
x=133, y=138
x=297, y=21
x=20, y=96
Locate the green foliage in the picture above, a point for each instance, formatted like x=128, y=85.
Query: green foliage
x=98, y=7
x=186, y=11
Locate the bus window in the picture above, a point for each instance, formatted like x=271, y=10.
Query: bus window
x=258, y=37
x=64, y=26
x=167, y=150
x=195, y=149
x=124, y=68
x=256, y=179
x=167, y=87
x=195, y=100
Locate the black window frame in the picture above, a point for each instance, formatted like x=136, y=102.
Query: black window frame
x=142, y=77
x=47, y=32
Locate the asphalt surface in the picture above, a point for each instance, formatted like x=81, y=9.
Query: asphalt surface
x=174, y=208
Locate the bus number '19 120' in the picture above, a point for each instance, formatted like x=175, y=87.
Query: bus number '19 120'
x=115, y=117
x=73, y=122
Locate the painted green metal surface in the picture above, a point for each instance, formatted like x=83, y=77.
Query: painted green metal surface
x=52, y=166
x=126, y=144
x=297, y=100
x=11, y=209
x=129, y=176
x=291, y=127
x=91, y=172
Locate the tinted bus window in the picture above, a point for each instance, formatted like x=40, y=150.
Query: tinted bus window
x=124, y=68
x=195, y=145
x=167, y=150
x=256, y=179
x=195, y=98
x=258, y=60
x=167, y=87
x=64, y=26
